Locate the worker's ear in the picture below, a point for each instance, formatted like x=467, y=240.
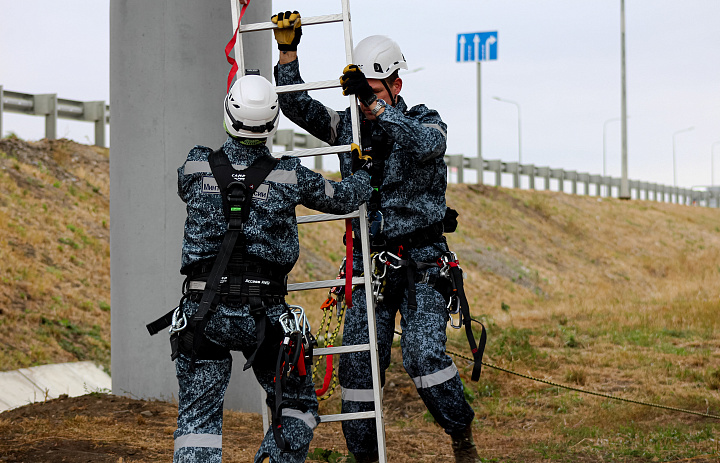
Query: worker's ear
x=396, y=86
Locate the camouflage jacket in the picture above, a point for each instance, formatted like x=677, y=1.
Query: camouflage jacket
x=271, y=230
x=415, y=177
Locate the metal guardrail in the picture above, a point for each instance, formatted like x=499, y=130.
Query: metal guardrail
x=52, y=107
x=591, y=184
x=709, y=197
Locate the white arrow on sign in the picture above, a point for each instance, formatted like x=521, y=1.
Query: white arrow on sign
x=462, y=47
x=476, y=41
x=486, y=49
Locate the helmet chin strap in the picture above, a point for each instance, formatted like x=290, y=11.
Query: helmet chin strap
x=387, y=87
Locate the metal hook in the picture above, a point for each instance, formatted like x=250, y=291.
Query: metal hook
x=179, y=321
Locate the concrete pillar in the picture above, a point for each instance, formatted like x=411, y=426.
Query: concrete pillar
x=168, y=80
x=1, y=111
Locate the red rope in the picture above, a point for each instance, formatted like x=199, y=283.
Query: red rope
x=348, y=262
x=328, y=374
x=229, y=47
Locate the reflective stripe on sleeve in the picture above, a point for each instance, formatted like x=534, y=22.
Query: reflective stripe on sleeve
x=199, y=440
x=307, y=417
x=436, y=378
x=358, y=395
x=437, y=126
x=334, y=122
x=329, y=190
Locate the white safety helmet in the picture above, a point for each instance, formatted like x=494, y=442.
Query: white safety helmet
x=251, y=108
x=378, y=56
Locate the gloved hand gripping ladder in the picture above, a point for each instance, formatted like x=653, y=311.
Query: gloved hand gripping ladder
x=361, y=214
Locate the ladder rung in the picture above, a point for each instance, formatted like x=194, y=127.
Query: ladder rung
x=347, y=416
x=341, y=349
x=328, y=18
x=326, y=217
x=323, y=284
x=319, y=85
x=313, y=151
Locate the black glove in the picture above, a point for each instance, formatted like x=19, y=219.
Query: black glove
x=360, y=161
x=288, y=32
x=353, y=82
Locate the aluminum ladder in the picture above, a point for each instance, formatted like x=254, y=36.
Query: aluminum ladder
x=361, y=214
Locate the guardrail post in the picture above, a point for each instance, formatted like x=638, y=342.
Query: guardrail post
x=456, y=160
x=479, y=165
x=514, y=169
x=607, y=183
x=94, y=111
x=544, y=172
x=46, y=105
x=529, y=170
x=559, y=174
x=633, y=184
x=572, y=176
x=585, y=179
x=497, y=167
x=285, y=138
x=1, y=110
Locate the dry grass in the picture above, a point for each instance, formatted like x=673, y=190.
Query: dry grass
x=619, y=297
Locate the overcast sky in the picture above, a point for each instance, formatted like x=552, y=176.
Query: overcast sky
x=558, y=59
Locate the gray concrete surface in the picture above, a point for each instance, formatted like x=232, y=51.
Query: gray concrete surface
x=36, y=384
x=168, y=80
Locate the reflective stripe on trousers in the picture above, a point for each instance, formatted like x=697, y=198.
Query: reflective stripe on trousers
x=199, y=440
x=433, y=379
x=307, y=417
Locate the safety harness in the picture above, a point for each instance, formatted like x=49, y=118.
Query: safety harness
x=245, y=281
x=450, y=284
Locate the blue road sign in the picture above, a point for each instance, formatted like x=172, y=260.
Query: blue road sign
x=477, y=46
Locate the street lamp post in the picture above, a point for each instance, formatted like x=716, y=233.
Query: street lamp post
x=674, y=163
x=518, y=124
x=624, y=182
x=712, y=162
x=605, y=149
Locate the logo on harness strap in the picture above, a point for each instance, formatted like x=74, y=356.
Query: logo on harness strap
x=257, y=282
x=238, y=177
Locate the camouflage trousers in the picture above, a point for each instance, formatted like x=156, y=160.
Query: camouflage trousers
x=423, y=350
x=198, y=437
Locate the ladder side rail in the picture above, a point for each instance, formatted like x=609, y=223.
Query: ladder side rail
x=365, y=240
x=372, y=336
x=236, y=7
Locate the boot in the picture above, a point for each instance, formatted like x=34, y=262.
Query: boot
x=366, y=457
x=463, y=446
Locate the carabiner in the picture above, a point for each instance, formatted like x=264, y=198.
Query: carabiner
x=179, y=321
x=453, y=308
x=383, y=258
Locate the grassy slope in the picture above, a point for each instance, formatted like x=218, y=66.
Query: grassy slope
x=54, y=254
x=614, y=296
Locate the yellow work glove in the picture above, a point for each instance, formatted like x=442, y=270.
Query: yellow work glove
x=288, y=32
x=353, y=82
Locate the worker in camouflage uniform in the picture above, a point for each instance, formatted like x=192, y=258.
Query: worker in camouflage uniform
x=268, y=248
x=407, y=213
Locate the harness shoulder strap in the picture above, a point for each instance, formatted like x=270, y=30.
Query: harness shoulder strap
x=236, y=188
